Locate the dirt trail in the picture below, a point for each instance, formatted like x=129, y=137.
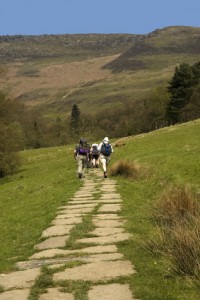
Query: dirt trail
x=94, y=254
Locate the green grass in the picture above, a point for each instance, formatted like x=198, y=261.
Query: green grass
x=29, y=200
x=47, y=179
x=173, y=156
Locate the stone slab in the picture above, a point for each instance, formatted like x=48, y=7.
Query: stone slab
x=108, y=223
x=55, y=294
x=107, y=231
x=82, y=210
x=103, y=257
x=57, y=230
x=82, y=195
x=68, y=216
x=72, y=206
x=68, y=221
x=110, y=201
x=110, y=196
x=19, y=279
x=96, y=271
x=113, y=291
x=110, y=208
x=115, y=238
x=81, y=201
x=53, y=242
x=15, y=295
x=107, y=217
x=56, y=252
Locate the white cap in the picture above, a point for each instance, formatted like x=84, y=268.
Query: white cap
x=106, y=140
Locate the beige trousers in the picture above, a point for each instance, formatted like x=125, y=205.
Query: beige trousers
x=104, y=161
x=80, y=159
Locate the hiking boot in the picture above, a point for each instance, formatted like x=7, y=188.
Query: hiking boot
x=105, y=175
x=80, y=175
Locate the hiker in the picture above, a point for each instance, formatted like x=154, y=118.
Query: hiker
x=105, y=149
x=81, y=154
x=94, y=153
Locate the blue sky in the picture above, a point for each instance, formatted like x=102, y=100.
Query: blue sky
x=35, y=17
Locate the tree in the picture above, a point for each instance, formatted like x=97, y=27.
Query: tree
x=75, y=120
x=181, y=88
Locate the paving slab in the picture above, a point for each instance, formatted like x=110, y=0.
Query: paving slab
x=82, y=195
x=55, y=294
x=103, y=257
x=110, y=208
x=55, y=252
x=57, y=230
x=109, y=182
x=108, y=223
x=108, y=189
x=110, y=196
x=49, y=253
x=15, y=295
x=53, y=242
x=113, y=291
x=107, y=217
x=80, y=198
x=105, y=231
x=66, y=221
x=68, y=216
x=96, y=271
x=55, y=263
x=110, y=201
x=76, y=210
x=19, y=279
x=75, y=202
x=72, y=206
x=115, y=238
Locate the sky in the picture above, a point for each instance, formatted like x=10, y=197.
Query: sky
x=36, y=17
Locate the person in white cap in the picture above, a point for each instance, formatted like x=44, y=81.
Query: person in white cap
x=105, y=149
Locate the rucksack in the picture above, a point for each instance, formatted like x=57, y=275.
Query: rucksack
x=95, y=151
x=106, y=149
x=84, y=148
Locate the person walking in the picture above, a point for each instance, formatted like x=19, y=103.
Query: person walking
x=81, y=154
x=105, y=149
x=94, y=153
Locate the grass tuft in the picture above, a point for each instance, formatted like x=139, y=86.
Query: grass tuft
x=129, y=169
x=178, y=215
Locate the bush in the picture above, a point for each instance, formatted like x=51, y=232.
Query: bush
x=129, y=169
x=177, y=213
x=9, y=163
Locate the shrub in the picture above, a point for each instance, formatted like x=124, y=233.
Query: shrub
x=177, y=204
x=178, y=214
x=129, y=169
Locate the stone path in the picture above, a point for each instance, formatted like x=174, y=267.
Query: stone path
x=93, y=256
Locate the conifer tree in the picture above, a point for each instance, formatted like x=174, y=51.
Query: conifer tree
x=75, y=119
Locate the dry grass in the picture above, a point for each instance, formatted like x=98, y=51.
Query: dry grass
x=53, y=77
x=177, y=204
x=129, y=169
x=177, y=213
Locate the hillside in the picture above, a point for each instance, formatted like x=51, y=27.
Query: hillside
x=51, y=72
x=44, y=183
x=159, y=49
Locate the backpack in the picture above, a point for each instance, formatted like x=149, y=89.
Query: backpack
x=95, y=151
x=106, y=149
x=83, y=149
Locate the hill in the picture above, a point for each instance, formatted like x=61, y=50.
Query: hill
x=52, y=72
x=159, y=49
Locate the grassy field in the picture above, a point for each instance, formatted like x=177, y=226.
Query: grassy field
x=47, y=179
x=172, y=156
x=29, y=200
